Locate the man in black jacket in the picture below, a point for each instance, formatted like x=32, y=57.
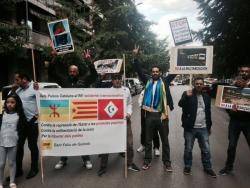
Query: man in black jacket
x=73, y=81
x=239, y=122
x=196, y=121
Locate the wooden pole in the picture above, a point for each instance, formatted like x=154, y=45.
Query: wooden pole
x=190, y=80
x=33, y=64
x=42, y=170
x=124, y=69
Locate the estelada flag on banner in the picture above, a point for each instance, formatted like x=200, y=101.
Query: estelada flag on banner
x=110, y=109
x=83, y=110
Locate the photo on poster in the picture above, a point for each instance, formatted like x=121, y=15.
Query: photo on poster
x=191, y=60
x=108, y=66
x=228, y=96
x=61, y=37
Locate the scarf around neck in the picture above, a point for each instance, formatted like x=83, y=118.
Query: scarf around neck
x=158, y=103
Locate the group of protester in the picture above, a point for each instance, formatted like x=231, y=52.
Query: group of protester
x=18, y=121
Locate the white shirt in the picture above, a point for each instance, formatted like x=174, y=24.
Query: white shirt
x=200, y=121
x=28, y=97
x=128, y=98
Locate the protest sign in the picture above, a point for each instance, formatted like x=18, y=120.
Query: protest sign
x=230, y=97
x=180, y=31
x=108, y=66
x=76, y=122
x=61, y=37
x=191, y=60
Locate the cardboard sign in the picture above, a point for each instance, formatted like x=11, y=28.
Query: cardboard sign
x=108, y=66
x=180, y=31
x=191, y=60
x=230, y=97
x=61, y=36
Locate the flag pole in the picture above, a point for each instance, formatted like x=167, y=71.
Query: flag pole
x=33, y=64
x=124, y=69
x=126, y=155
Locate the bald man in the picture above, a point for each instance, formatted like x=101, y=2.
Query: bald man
x=73, y=81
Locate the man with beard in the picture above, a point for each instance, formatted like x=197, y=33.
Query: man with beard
x=73, y=81
x=197, y=122
x=239, y=122
x=156, y=101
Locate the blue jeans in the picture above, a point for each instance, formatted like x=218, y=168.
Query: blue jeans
x=203, y=140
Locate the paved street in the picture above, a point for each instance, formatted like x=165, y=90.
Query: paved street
x=75, y=176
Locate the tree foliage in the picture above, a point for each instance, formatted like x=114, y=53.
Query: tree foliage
x=226, y=27
x=116, y=33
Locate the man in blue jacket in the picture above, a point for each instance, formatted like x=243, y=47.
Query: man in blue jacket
x=196, y=121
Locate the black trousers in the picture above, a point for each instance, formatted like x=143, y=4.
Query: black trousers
x=130, y=151
x=156, y=140
x=30, y=133
x=234, y=130
x=154, y=123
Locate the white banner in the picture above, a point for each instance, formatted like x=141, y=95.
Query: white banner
x=76, y=122
x=191, y=60
x=108, y=66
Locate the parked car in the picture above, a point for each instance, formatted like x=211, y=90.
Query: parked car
x=135, y=82
x=6, y=89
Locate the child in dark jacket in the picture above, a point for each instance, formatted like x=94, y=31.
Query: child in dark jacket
x=12, y=122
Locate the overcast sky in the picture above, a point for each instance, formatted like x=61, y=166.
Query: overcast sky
x=162, y=11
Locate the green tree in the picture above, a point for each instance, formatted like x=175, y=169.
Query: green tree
x=116, y=33
x=226, y=27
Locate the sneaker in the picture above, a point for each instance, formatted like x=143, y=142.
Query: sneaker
x=157, y=152
x=225, y=171
x=88, y=165
x=146, y=166
x=210, y=172
x=12, y=185
x=141, y=149
x=168, y=167
x=133, y=167
x=60, y=165
x=187, y=171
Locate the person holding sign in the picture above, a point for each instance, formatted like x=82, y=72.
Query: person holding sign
x=239, y=122
x=156, y=100
x=73, y=81
x=27, y=93
x=196, y=121
x=117, y=84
